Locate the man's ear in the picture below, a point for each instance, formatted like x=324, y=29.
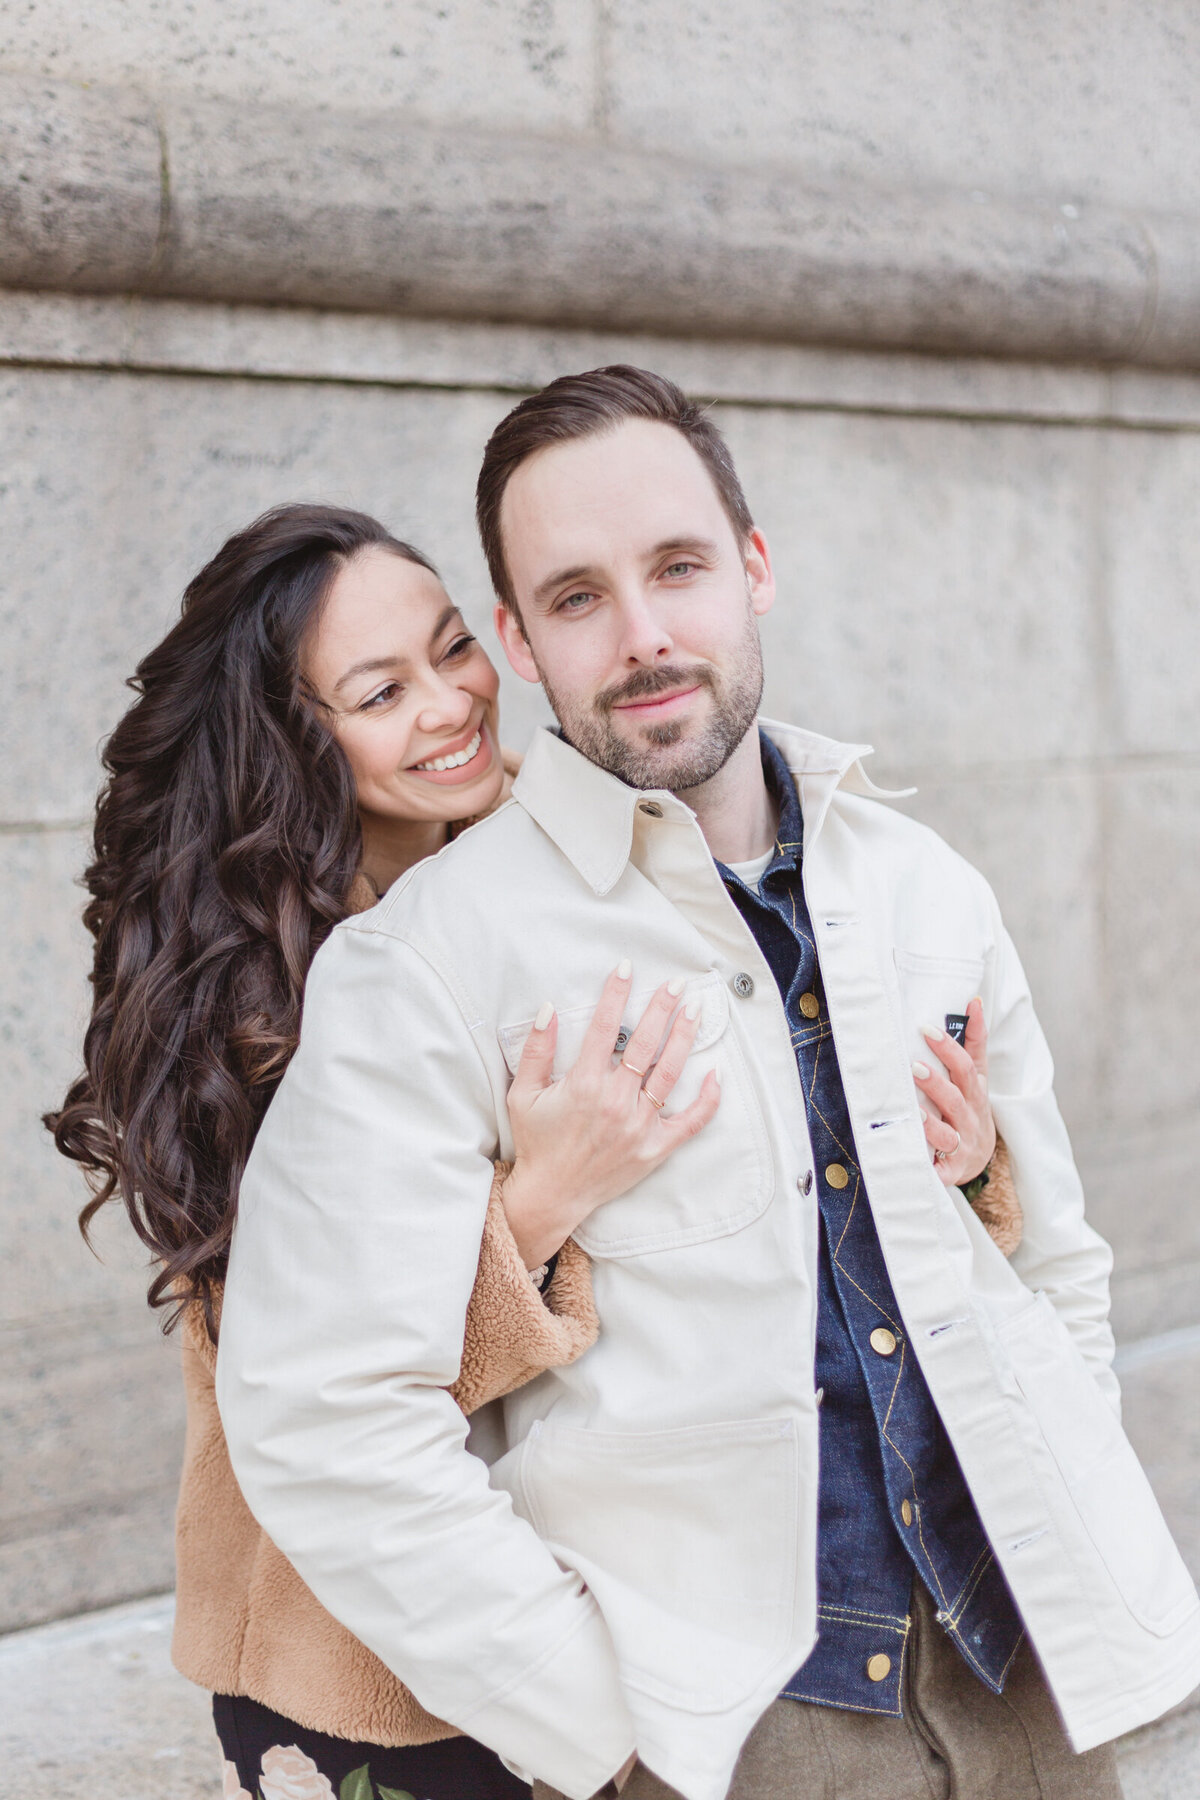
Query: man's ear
x=760, y=577
x=516, y=645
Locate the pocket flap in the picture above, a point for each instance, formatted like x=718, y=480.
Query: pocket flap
x=708, y=990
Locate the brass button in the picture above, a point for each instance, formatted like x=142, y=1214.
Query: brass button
x=743, y=985
x=804, y=1182
x=837, y=1176
x=810, y=1006
x=651, y=808
x=906, y=1512
x=883, y=1341
x=879, y=1667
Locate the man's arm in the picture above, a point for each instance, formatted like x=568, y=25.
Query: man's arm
x=1059, y=1252
x=353, y=1260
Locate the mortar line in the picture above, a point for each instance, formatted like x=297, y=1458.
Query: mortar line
x=1064, y=421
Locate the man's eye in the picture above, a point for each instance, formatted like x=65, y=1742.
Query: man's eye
x=574, y=602
x=383, y=698
x=680, y=568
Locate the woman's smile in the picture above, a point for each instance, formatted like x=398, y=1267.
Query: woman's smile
x=464, y=758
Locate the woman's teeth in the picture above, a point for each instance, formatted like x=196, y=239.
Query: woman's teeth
x=457, y=760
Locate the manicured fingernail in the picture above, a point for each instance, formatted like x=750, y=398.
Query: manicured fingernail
x=932, y=1032
x=624, y=969
x=921, y=1071
x=692, y=1010
x=676, y=987
x=924, y=1115
x=974, y=1001
x=545, y=1013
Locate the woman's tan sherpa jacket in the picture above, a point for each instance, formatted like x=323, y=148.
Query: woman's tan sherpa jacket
x=245, y=1623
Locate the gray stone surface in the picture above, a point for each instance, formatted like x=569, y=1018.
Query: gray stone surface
x=1081, y=102
x=1086, y=104
x=381, y=210
x=528, y=63
x=92, y=1707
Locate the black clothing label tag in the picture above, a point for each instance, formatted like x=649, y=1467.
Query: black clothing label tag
x=956, y=1027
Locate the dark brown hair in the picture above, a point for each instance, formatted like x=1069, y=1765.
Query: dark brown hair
x=577, y=406
x=226, y=840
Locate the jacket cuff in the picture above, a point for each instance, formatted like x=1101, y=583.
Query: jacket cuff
x=513, y=1332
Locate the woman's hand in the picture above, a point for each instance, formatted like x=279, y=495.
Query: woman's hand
x=591, y=1136
x=959, y=1127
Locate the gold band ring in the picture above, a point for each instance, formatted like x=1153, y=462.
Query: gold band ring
x=640, y=1073
x=656, y=1104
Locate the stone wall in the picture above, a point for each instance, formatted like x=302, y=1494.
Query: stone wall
x=938, y=283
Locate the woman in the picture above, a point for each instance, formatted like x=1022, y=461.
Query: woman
x=317, y=722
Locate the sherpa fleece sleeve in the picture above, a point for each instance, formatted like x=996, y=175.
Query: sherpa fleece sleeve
x=513, y=1331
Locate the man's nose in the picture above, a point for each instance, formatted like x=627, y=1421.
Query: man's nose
x=644, y=635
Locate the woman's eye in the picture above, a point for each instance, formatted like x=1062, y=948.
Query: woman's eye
x=461, y=646
x=383, y=698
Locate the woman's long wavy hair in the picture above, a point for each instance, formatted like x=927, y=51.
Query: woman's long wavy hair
x=227, y=838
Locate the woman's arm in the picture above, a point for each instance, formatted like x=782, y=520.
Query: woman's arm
x=515, y=1330
x=579, y=1142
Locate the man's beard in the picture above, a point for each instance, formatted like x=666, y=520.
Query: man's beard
x=659, y=756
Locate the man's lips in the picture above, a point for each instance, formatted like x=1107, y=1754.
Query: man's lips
x=657, y=706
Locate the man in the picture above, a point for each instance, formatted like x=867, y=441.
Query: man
x=637, y=1583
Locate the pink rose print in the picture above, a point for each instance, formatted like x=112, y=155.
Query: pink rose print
x=231, y=1787
x=287, y=1774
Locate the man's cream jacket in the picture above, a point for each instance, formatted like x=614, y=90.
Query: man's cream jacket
x=637, y=1565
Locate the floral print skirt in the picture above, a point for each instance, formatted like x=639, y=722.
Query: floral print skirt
x=267, y=1757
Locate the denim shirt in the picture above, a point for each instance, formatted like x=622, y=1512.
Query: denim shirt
x=892, y=1498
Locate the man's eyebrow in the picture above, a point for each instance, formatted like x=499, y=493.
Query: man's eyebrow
x=378, y=665
x=583, y=571
x=560, y=578
x=704, y=546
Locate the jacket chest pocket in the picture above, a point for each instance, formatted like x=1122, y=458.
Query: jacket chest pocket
x=933, y=987
x=714, y=1184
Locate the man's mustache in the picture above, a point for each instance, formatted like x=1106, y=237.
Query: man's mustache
x=644, y=684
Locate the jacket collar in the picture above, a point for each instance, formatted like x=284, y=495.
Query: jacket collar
x=589, y=814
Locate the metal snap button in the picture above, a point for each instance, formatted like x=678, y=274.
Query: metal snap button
x=883, y=1341
x=804, y=1182
x=742, y=985
x=879, y=1667
x=651, y=808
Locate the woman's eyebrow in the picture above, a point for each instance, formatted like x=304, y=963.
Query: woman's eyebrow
x=378, y=665
x=371, y=665
x=443, y=619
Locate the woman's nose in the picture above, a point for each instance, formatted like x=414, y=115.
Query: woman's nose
x=444, y=707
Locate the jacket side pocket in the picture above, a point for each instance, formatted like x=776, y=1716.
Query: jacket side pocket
x=1107, y=1484
x=687, y=1539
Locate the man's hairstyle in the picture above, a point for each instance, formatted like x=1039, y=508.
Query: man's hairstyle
x=579, y=406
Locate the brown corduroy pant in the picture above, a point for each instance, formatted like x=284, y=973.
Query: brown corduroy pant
x=956, y=1741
